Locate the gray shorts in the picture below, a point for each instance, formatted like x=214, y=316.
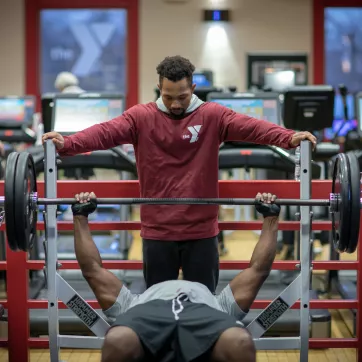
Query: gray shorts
x=177, y=330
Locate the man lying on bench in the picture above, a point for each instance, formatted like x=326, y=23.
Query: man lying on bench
x=176, y=320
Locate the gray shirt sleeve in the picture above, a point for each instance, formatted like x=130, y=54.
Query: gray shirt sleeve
x=228, y=303
x=121, y=305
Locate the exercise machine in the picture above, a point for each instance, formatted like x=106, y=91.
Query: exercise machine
x=16, y=118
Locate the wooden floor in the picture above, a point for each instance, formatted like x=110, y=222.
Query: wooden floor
x=240, y=245
x=331, y=355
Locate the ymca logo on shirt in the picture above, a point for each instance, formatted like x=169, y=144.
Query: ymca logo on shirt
x=194, y=133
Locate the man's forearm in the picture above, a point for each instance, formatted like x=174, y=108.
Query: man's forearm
x=102, y=136
x=85, y=249
x=85, y=141
x=265, y=250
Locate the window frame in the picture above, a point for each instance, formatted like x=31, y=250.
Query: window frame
x=32, y=40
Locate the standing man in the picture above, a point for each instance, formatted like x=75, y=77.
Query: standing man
x=176, y=141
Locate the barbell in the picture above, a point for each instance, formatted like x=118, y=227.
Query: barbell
x=21, y=201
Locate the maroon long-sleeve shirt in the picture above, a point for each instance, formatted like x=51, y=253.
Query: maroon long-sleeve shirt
x=177, y=158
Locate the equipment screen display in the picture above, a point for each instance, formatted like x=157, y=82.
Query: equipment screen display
x=16, y=110
x=77, y=114
x=279, y=81
x=339, y=109
x=201, y=80
x=266, y=109
x=360, y=113
x=351, y=123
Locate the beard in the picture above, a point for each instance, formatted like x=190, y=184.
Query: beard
x=178, y=115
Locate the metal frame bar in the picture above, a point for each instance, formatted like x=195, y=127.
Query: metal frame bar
x=285, y=343
x=81, y=342
x=178, y=201
x=125, y=214
x=284, y=301
x=78, y=305
x=314, y=343
x=305, y=247
x=50, y=174
x=299, y=288
x=258, y=304
x=56, y=285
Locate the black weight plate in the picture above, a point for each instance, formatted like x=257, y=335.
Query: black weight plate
x=355, y=203
x=9, y=194
x=341, y=216
x=25, y=211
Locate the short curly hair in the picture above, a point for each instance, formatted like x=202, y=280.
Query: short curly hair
x=175, y=69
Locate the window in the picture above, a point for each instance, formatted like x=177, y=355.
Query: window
x=91, y=43
x=343, y=47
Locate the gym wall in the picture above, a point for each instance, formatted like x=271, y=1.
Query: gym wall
x=256, y=25
x=12, y=47
x=177, y=28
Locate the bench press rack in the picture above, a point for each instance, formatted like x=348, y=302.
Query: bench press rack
x=59, y=289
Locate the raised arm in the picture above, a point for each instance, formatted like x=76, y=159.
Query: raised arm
x=105, y=285
x=240, y=127
x=102, y=136
x=245, y=286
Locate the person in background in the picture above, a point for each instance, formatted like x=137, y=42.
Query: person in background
x=67, y=82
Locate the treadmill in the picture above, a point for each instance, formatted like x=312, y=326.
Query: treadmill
x=260, y=157
x=16, y=118
x=114, y=159
x=56, y=108
x=70, y=113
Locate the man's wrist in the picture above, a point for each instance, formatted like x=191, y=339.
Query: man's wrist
x=291, y=139
x=80, y=218
x=270, y=222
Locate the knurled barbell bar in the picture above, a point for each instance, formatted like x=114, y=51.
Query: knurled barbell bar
x=21, y=201
x=174, y=201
